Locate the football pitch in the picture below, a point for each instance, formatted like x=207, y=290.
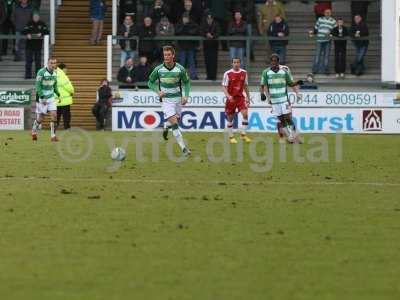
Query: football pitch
x=319, y=220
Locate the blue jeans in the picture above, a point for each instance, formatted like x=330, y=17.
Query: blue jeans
x=281, y=51
x=127, y=54
x=358, y=66
x=188, y=55
x=237, y=53
x=321, y=60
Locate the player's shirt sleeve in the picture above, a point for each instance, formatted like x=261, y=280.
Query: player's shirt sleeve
x=55, y=85
x=186, y=83
x=38, y=84
x=264, y=79
x=225, y=79
x=152, y=83
x=246, y=79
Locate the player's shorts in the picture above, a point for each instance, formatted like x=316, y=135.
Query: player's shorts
x=45, y=108
x=281, y=109
x=171, y=109
x=238, y=103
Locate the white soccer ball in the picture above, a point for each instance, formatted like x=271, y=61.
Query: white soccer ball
x=118, y=154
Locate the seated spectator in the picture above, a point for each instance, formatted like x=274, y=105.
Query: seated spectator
x=159, y=11
x=237, y=28
x=210, y=31
x=279, y=29
x=359, y=32
x=102, y=105
x=147, y=48
x=320, y=7
x=267, y=14
x=164, y=28
x=142, y=72
x=127, y=8
x=126, y=75
x=340, y=32
x=187, y=48
x=322, y=29
x=21, y=16
x=34, y=31
x=128, y=47
x=359, y=8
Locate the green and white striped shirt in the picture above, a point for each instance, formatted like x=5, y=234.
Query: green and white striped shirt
x=277, y=83
x=46, y=84
x=170, y=81
x=323, y=28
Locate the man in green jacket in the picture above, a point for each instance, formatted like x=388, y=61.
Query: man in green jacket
x=64, y=101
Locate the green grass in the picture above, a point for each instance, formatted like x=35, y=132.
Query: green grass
x=198, y=229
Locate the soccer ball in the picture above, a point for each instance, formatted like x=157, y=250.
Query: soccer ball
x=118, y=154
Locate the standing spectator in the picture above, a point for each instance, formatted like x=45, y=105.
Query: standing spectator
x=66, y=91
x=142, y=71
x=322, y=29
x=146, y=4
x=320, y=7
x=126, y=74
x=359, y=32
x=279, y=29
x=2, y=18
x=187, y=48
x=194, y=9
x=159, y=11
x=128, y=47
x=34, y=31
x=21, y=16
x=210, y=31
x=267, y=14
x=8, y=26
x=98, y=10
x=147, y=47
x=340, y=32
x=164, y=28
x=127, y=8
x=102, y=105
x=359, y=8
x=237, y=28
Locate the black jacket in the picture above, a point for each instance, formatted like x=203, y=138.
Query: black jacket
x=157, y=13
x=34, y=29
x=237, y=30
x=142, y=72
x=132, y=32
x=124, y=73
x=105, y=95
x=190, y=28
x=3, y=13
x=147, y=32
x=342, y=41
x=364, y=33
x=214, y=30
x=273, y=30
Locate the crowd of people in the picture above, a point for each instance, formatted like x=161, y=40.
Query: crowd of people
x=211, y=19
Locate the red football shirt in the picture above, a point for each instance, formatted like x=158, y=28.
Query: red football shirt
x=235, y=82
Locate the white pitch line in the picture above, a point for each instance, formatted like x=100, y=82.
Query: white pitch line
x=116, y=180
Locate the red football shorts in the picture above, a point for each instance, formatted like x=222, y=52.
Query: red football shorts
x=237, y=103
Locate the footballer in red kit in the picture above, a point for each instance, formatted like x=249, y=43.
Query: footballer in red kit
x=235, y=84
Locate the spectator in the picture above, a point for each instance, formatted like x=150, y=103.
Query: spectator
x=66, y=90
x=279, y=29
x=195, y=11
x=21, y=16
x=128, y=47
x=340, y=32
x=127, y=8
x=164, y=28
x=359, y=8
x=8, y=26
x=142, y=72
x=34, y=31
x=320, y=7
x=267, y=14
x=359, y=32
x=102, y=105
x=237, y=28
x=210, y=31
x=322, y=29
x=126, y=75
x=147, y=47
x=2, y=18
x=147, y=5
x=159, y=11
x=187, y=48
x=98, y=10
